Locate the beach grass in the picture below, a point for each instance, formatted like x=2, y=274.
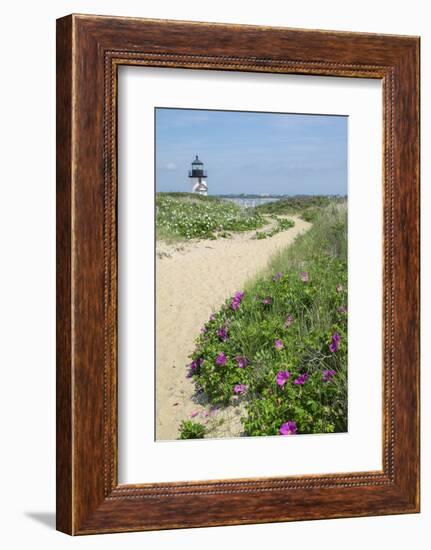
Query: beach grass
x=307, y=207
x=280, y=344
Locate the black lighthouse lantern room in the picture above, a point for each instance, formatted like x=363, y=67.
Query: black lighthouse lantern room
x=197, y=170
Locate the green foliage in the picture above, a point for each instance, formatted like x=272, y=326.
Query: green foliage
x=297, y=204
x=191, y=430
x=188, y=216
x=282, y=224
x=310, y=214
x=303, y=312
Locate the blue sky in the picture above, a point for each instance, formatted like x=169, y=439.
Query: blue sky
x=248, y=152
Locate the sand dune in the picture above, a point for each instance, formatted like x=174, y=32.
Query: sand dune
x=193, y=280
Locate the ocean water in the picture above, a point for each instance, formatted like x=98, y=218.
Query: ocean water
x=249, y=202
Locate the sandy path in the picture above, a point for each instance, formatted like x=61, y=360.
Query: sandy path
x=191, y=283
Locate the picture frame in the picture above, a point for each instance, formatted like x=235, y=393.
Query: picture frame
x=89, y=51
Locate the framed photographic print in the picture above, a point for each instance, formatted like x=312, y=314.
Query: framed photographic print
x=237, y=274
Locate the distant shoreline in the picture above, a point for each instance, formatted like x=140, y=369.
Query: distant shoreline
x=270, y=196
x=257, y=195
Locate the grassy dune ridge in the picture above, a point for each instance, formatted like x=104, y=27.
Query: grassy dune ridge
x=181, y=216
x=298, y=204
x=307, y=206
x=279, y=346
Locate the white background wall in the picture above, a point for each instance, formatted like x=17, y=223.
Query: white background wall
x=27, y=308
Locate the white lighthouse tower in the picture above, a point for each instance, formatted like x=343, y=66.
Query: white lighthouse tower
x=197, y=175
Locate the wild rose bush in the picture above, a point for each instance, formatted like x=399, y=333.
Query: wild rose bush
x=280, y=346
x=182, y=215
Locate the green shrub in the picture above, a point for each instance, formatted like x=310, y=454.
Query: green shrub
x=191, y=430
x=310, y=214
x=188, y=216
x=282, y=224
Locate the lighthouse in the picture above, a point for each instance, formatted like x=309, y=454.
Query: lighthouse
x=197, y=175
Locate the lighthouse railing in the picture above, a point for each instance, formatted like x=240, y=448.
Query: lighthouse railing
x=197, y=174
